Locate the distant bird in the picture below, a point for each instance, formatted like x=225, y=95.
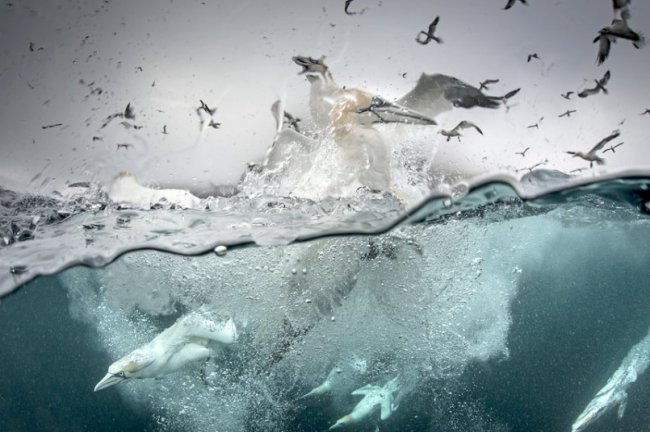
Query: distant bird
x=96, y=138
x=483, y=85
x=618, y=29
x=533, y=56
x=455, y=132
x=347, y=8
x=31, y=46
x=531, y=168
x=429, y=34
x=291, y=121
x=613, y=148
x=139, y=68
x=567, y=95
x=51, y=125
x=647, y=111
x=512, y=2
x=600, y=86
x=523, y=153
x=153, y=84
x=536, y=125
x=213, y=124
x=206, y=108
x=591, y=155
x=125, y=146
x=567, y=113
x=129, y=112
x=210, y=112
x=164, y=131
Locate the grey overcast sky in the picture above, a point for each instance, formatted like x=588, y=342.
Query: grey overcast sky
x=236, y=56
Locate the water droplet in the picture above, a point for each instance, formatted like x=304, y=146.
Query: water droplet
x=294, y=271
x=307, y=301
x=220, y=250
x=333, y=318
x=304, y=271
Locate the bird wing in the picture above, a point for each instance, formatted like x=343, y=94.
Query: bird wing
x=603, y=48
x=467, y=124
x=604, y=141
x=365, y=390
x=198, y=325
x=509, y=4
x=588, y=92
x=605, y=79
x=432, y=26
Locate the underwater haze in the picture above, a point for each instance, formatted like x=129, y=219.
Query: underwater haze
x=357, y=215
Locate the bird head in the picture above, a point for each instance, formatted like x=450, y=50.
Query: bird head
x=347, y=419
x=127, y=367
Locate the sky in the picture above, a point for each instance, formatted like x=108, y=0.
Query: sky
x=165, y=56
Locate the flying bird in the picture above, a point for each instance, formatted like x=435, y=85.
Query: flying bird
x=512, y=2
x=483, y=85
x=128, y=113
x=533, y=56
x=523, y=153
x=429, y=34
x=536, y=125
x=291, y=121
x=125, y=146
x=600, y=86
x=206, y=108
x=567, y=113
x=618, y=29
x=455, y=132
x=164, y=131
x=591, y=155
x=567, y=95
x=613, y=148
x=647, y=111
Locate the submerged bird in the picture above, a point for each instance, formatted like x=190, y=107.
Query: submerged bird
x=455, y=132
x=325, y=386
x=614, y=393
x=184, y=342
x=374, y=397
x=429, y=34
x=567, y=95
x=591, y=155
x=600, y=86
x=483, y=85
x=567, y=113
x=512, y=2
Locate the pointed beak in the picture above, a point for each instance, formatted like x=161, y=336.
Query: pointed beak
x=107, y=381
x=389, y=112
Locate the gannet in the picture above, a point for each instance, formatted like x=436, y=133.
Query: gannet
x=512, y=2
x=455, y=132
x=125, y=189
x=536, y=125
x=523, y=153
x=647, y=111
x=532, y=56
x=600, y=86
x=567, y=95
x=429, y=35
x=567, y=113
x=613, y=148
x=184, y=342
x=591, y=155
x=374, y=397
x=128, y=113
x=618, y=29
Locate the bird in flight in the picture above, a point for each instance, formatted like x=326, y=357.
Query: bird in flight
x=567, y=113
x=523, y=153
x=591, y=155
x=533, y=56
x=483, y=85
x=511, y=3
x=613, y=148
x=536, y=125
x=567, y=95
x=455, y=132
x=600, y=86
x=429, y=35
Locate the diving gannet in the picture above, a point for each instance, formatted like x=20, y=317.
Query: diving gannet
x=600, y=86
x=614, y=392
x=125, y=190
x=567, y=113
x=512, y=2
x=455, y=132
x=373, y=397
x=591, y=155
x=429, y=35
x=184, y=342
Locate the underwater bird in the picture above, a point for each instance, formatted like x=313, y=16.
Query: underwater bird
x=600, y=86
x=532, y=56
x=483, y=85
x=614, y=393
x=613, y=148
x=512, y=2
x=567, y=113
x=325, y=386
x=536, y=125
x=455, y=132
x=429, y=35
x=184, y=342
x=647, y=111
x=591, y=155
x=374, y=397
x=523, y=153
x=567, y=95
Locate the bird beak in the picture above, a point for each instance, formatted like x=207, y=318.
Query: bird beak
x=389, y=112
x=108, y=380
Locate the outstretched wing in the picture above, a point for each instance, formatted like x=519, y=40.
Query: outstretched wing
x=365, y=390
x=604, y=141
x=198, y=325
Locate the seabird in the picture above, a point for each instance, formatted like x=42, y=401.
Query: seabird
x=325, y=386
x=647, y=111
x=483, y=85
x=51, y=125
x=618, y=29
x=523, y=153
x=429, y=35
x=374, y=397
x=532, y=56
x=591, y=156
x=536, y=125
x=567, y=113
x=210, y=112
x=567, y=95
x=164, y=131
x=347, y=8
x=125, y=146
x=613, y=148
x=129, y=112
x=600, y=86
x=185, y=341
x=512, y=2
x=206, y=108
x=455, y=132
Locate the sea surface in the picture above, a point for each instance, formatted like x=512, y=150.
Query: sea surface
x=502, y=306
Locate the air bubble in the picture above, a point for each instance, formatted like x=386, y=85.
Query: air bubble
x=220, y=250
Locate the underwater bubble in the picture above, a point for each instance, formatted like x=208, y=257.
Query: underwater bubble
x=220, y=250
